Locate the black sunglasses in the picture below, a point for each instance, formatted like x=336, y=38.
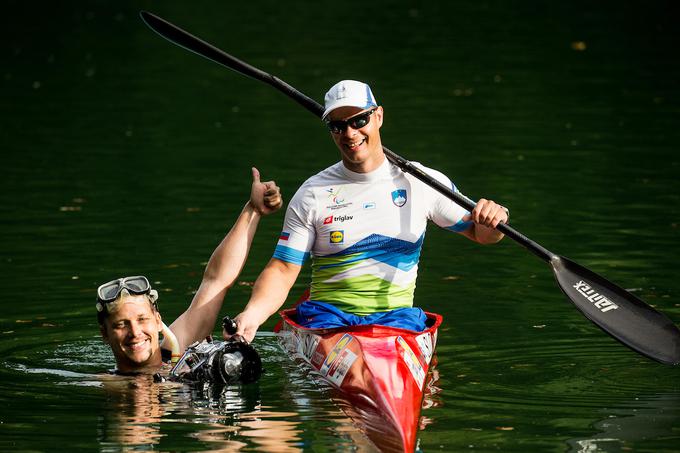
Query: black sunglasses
x=108, y=292
x=355, y=122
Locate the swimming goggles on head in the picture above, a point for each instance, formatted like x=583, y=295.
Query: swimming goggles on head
x=108, y=292
x=355, y=122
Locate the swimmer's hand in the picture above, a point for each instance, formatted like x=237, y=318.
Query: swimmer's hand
x=265, y=197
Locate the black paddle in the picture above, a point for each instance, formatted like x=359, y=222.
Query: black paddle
x=610, y=307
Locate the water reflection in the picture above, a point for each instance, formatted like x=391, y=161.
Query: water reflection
x=139, y=411
x=133, y=413
x=284, y=411
x=581, y=388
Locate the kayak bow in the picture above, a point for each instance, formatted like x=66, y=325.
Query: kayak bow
x=378, y=372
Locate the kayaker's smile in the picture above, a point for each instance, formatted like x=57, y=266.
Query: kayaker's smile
x=354, y=145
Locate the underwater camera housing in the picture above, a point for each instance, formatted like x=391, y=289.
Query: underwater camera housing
x=219, y=362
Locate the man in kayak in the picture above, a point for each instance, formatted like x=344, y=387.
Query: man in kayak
x=127, y=309
x=363, y=221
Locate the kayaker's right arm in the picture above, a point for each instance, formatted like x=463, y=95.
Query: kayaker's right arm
x=269, y=293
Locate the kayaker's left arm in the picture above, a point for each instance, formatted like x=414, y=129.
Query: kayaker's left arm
x=478, y=225
x=225, y=265
x=485, y=217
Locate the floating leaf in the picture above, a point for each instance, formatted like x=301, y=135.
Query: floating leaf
x=578, y=46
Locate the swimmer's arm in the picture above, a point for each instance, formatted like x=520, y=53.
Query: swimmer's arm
x=225, y=265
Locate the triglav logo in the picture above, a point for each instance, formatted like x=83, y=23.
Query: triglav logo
x=399, y=197
x=338, y=218
x=596, y=298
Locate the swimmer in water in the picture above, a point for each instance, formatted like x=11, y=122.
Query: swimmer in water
x=127, y=310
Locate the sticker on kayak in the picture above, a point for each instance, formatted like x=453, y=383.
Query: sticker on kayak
x=339, y=368
x=412, y=362
x=307, y=344
x=426, y=347
x=335, y=353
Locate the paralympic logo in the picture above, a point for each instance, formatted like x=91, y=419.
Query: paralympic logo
x=335, y=196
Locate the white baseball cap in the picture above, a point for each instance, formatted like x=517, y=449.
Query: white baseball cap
x=348, y=93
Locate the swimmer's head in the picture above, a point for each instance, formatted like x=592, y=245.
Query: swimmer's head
x=130, y=323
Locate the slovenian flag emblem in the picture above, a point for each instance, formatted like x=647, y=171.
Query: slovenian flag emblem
x=284, y=236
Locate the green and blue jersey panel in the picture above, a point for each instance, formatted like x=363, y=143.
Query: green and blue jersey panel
x=364, y=232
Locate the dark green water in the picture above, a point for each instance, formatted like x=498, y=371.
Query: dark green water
x=122, y=154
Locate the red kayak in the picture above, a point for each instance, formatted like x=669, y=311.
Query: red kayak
x=379, y=373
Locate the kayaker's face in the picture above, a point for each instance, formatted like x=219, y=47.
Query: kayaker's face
x=132, y=332
x=361, y=149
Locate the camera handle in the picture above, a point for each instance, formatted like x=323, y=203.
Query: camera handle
x=229, y=325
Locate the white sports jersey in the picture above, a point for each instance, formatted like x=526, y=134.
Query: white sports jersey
x=364, y=232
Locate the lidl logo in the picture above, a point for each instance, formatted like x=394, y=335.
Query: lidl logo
x=337, y=237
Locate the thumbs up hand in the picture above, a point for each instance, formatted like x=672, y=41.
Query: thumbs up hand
x=265, y=197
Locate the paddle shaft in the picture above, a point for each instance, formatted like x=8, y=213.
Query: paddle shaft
x=540, y=251
x=204, y=49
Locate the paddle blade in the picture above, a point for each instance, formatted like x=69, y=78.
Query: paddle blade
x=618, y=312
x=184, y=39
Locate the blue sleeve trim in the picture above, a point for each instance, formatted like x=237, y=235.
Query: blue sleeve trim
x=290, y=255
x=460, y=226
